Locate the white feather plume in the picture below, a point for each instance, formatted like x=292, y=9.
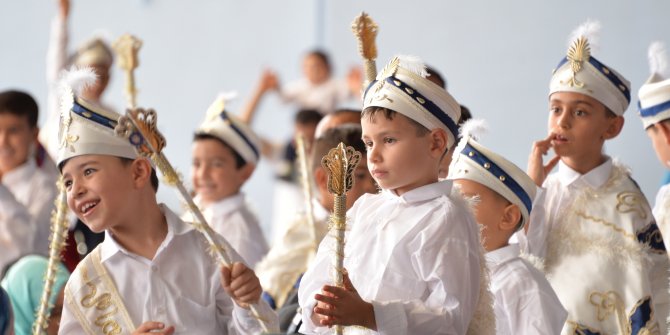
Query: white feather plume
x=658, y=60
x=413, y=64
x=78, y=79
x=590, y=30
x=473, y=128
x=227, y=96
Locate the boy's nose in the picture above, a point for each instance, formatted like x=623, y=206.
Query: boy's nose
x=564, y=120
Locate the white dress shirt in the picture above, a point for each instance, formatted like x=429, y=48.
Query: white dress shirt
x=27, y=196
x=590, y=229
x=180, y=287
x=324, y=97
x=234, y=220
x=525, y=303
x=662, y=212
x=415, y=257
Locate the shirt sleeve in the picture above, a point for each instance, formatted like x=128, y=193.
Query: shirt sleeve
x=533, y=241
x=68, y=322
x=17, y=228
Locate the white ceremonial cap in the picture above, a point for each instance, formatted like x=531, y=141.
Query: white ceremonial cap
x=580, y=72
x=402, y=87
x=231, y=130
x=654, y=104
x=84, y=127
x=473, y=161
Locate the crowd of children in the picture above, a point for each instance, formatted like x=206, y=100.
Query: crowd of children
x=433, y=216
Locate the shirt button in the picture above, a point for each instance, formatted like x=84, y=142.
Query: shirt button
x=154, y=268
x=161, y=310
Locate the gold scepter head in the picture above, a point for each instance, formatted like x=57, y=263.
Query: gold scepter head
x=365, y=30
x=126, y=48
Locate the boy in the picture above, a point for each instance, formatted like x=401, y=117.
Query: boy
x=655, y=113
x=288, y=259
x=525, y=303
x=225, y=154
x=27, y=193
x=412, y=253
x=152, y=273
x=597, y=236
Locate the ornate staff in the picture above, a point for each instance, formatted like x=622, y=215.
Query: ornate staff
x=59, y=225
x=139, y=127
x=127, y=47
x=340, y=162
x=306, y=181
x=366, y=32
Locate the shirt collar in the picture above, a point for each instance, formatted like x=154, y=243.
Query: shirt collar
x=594, y=178
x=226, y=205
x=499, y=256
x=320, y=213
x=175, y=225
x=20, y=174
x=423, y=193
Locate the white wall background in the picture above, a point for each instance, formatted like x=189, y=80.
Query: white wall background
x=496, y=55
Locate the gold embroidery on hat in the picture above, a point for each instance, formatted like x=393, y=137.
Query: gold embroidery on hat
x=67, y=140
x=579, y=52
x=487, y=165
x=471, y=153
x=383, y=97
x=502, y=178
x=87, y=114
x=420, y=100
x=409, y=90
x=397, y=82
x=623, y=88
x=606, y=70
x=388, y=71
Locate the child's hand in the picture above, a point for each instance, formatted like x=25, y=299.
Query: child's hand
x=343, y=306
x=241, y=284
x=269, y=81
x=536, y=168
x=153, y=328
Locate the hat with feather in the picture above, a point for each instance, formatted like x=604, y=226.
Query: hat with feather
x=654, y=104
x=580, y=72
x=402, y=86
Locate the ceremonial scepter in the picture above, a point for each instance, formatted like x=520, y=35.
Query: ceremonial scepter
x=365, y=30
x=340, y=163
x=59, y=225
x=306, y=181
x=139, y=127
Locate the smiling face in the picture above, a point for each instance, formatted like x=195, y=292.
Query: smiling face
x=99, y=190
x=16, y=139
x=579, y=126
x=399, y=158
x=214, y=171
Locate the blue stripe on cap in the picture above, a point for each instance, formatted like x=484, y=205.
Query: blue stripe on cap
x=93, y=116
x=605, y=71
x=653, y=110
x=500, y=174
x=238, y=131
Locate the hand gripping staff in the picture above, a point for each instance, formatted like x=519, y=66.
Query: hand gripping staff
x=139, y=127
x=340, y=163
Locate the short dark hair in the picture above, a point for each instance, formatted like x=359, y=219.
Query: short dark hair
x=308, y=116
x=389, y=114
x=465, y=115
x=239, y=161
x=433, y=74
x=350, y=134
x=154, y=176
x=20, y=104
x=323, y=56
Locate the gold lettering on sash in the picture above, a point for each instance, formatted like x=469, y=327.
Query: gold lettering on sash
x=103, y=303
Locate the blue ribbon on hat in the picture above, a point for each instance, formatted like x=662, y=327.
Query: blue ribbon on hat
x=653, y=110
x=605, y=71
x=238, y=131
x=93, y=116
x=423, y=101
x=500, y=174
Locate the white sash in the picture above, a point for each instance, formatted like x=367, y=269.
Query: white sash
x=94, y=300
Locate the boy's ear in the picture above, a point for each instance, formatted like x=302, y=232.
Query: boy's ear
x=438, y=141
x=247, y=170
x=664, y=128
x=141, y=172
x=616, y=124
x=510, y=218
x=321, y=179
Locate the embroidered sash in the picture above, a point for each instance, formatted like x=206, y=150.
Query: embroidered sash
x=94, y=299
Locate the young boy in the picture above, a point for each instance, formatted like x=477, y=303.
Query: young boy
x=225, y=154
x=27, y=193
x=412, y=253
x=288, y=259
x=525, y=303
x=655, y=113
x=597, y=236
x=153, y=272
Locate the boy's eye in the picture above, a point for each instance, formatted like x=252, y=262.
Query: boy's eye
x=580, y=112
x=68, y=184
x=368, y=144
x=88, y=171
x=554, y=110
x=389, y=140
